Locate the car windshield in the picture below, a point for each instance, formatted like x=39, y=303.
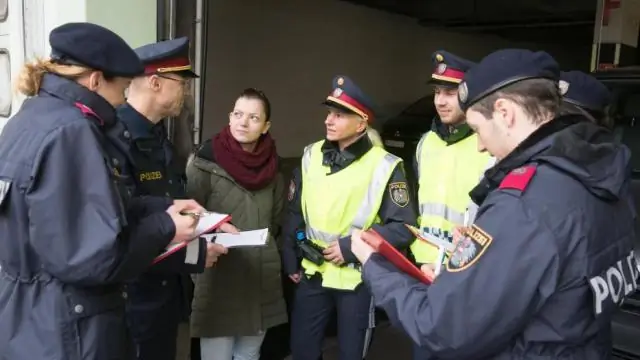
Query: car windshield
x=424, y=107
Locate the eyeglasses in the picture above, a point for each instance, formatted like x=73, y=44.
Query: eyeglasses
x=184, y=82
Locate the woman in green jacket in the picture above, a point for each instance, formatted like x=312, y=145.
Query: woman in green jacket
x=236, y=173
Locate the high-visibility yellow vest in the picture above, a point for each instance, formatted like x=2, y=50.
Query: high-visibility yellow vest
x=334, y=205
x=446, y=174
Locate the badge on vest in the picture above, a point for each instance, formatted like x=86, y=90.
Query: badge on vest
x=5, y=185
x=399, y=193
x=292, y=190
x=469, y=249
x=614, y=284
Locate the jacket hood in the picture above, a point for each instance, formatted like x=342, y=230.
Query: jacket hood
x=575, y=146
x=581, y=149
x=589, y=154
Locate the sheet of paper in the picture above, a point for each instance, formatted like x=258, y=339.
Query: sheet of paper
x=431, y=239
x=193, y=250
x=243, y=239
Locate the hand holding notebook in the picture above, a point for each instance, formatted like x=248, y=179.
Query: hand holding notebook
x=378, y=243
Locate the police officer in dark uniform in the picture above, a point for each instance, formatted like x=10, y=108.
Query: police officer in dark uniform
x=346, y=159
x=72, y=234
x=585, y=95
x=161, y=298
x=550, y=255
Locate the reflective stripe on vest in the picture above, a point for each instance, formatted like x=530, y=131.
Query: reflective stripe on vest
x=447, y=174
x=336, y=204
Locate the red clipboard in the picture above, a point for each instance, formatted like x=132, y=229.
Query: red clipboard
x=171, y=249
x=394, y=256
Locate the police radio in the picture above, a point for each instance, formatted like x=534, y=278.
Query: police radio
x=310, y=251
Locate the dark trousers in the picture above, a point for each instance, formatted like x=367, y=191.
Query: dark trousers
x=313, y=305
x=419, y=354
x=160, y=346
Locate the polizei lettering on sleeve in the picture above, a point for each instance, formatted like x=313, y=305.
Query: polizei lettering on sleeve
x=614, y=284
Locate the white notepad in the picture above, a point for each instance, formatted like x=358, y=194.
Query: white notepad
x=208, y=222
x=243, y=239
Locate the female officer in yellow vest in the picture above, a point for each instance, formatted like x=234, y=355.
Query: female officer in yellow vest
x=348, y=184
x=448, y=163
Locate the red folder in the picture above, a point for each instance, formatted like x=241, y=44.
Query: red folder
x=394, y=256
x=208, y=228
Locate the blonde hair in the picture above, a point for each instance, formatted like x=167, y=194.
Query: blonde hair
x=374, y=137
x=30, y=77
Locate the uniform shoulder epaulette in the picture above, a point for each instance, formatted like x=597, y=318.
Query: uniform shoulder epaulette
x=519, y=179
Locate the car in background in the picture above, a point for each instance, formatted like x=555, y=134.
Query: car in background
x=624, y=84
x=402, y=132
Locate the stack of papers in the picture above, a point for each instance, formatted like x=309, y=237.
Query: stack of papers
x=250, y=238
x=208, y=222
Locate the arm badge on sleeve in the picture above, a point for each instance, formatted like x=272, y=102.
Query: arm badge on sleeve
x=469, y=249
x=399, y=193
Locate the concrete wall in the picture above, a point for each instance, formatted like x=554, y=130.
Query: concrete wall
x=291, y=49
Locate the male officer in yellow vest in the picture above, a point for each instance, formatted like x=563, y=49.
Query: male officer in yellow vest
x=448, y=162
x=348, y=184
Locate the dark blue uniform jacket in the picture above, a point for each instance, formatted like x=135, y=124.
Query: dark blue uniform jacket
x=549, y=259
x=71, y=233
x=161, y=297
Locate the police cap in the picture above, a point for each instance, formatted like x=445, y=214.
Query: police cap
x=448, y=69
x=503, y=68
x=347, y=96
x=584, y=90
x=94, y=46
x=170, y=56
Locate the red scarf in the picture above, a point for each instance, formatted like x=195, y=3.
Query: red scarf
x=251, y=170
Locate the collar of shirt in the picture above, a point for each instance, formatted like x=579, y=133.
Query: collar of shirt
x=336, y=159
x=137, y=124
x=450, y=134
x=72, y=92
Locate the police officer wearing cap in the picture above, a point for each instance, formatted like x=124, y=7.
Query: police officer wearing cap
x=72, y=233
x=447, y=161
x=550, y=255
x=585, y=95
x=161, y=297
x=348, y=184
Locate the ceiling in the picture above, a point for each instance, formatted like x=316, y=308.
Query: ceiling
x=558, y=21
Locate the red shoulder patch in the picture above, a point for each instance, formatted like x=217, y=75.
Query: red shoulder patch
x=88, y=112
x=519, y=178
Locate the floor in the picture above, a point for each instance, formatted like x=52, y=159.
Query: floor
x=388, y=344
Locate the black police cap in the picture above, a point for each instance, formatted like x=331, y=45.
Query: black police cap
x=584, y=90
x=503, y=68
x=169, y=56
x=448, y=68
x=96, y=47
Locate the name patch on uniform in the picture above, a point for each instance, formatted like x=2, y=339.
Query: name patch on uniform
x=5, y=185
x=469, y=249
x=399, y=193
x=614, y=284
x=292, y=190
x=150, y=175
